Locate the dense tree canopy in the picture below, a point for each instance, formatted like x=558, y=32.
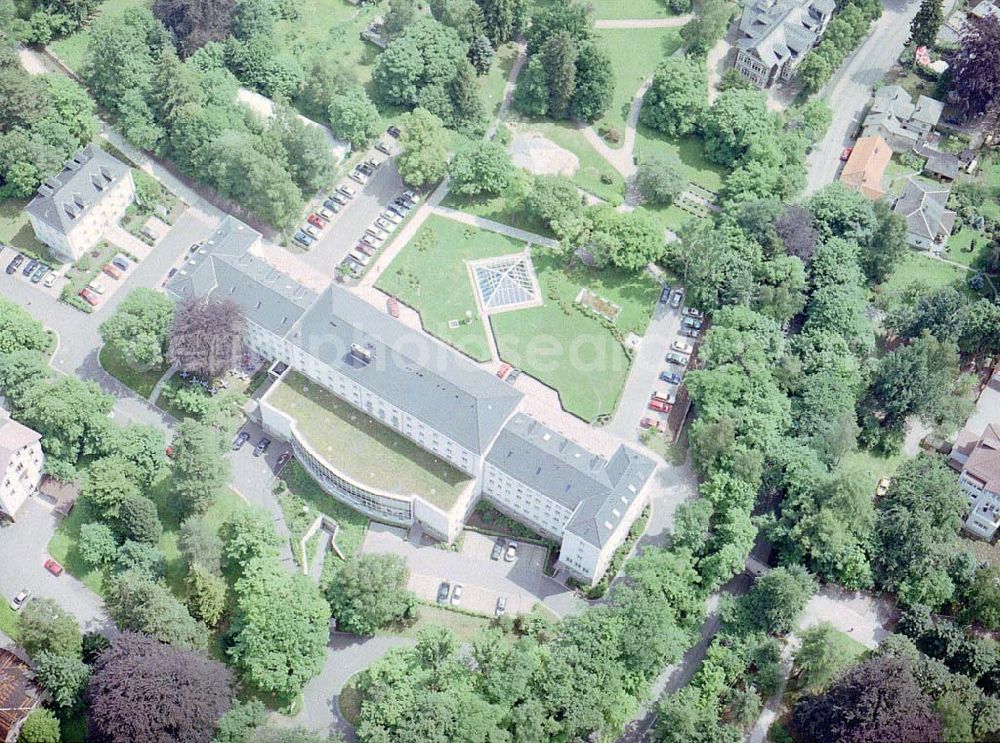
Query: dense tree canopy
x=370, y=592
x=424, y=159
x=975, y=67
x=143, y=689
x=677, y=97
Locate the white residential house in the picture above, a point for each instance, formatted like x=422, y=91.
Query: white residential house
x=902, y=123
x=977, y=458
x=21, y=461
x=777, y=36
x=73, y=209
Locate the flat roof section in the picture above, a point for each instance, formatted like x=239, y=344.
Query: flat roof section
x=364, y=449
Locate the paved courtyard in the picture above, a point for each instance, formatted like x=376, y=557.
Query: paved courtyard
x=522, y=582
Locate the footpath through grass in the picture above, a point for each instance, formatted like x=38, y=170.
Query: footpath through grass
x=73, y=48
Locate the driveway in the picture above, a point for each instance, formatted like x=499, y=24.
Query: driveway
x=484, y=580
x=253, y=478
x=23, y=549
x=643, y=377
x=346, y=655
x=348, y=225
x=851, y=87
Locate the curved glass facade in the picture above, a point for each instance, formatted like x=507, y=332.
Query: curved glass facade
x=378, y=506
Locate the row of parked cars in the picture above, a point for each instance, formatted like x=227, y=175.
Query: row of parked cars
x=452, y=594
x=678, y=355
x=115, y=269
x=378, y=231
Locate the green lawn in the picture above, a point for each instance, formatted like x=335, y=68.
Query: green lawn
x=304, y=492
x=846, y=650
x=699, y=170
x=634, y=54
x=430, y=275
x=8, y=619
x=503, y=209
x=592, y=168
x=960, y=247
x=569, y=349
x=495, y=81
x=15, y=231
x=463, y=626
x=71, y=50
x=919, y=267
x=141, y=381
x=629, y=9
x=871, y=468
x=364, y=449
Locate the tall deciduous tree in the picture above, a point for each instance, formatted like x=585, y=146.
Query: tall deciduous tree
x=137, y=602
x=502, y=19
x=62, y=676
x=483, y=168
x=206, y=337
x=44, y=626
x=353, y=116
x=196, y=22
x=280, y=628
x=19, y=331
x=200, y=471
x=143, y=689
x=677, y=97
x=370, y=592
x=424, y=159
x=660, y=178
x=975, y=67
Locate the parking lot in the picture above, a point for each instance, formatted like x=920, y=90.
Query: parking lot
x=484, y=580
x=340, y=236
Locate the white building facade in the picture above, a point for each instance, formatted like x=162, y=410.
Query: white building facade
x=73, y=209
x=21, y=462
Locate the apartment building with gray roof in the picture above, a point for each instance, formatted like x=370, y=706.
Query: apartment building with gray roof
x=777, y=34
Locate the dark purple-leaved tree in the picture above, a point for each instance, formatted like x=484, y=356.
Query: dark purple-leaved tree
x=878, y=700
x=206, y=337
x=975, y=67
x=144, y=690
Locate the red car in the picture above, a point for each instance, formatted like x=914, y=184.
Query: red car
x=53, y=567
x=661, y=406
x=846, y=154
x=170, y=451
x=392, y=306
x=502, y=371
x=89, y=297
x=653, y=423
x=316, y=221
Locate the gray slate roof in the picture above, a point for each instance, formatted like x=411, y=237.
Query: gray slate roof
x=413, y=372
x=778, y=30
x=925, y=209
x=68, y=195
x=943, y=164
x=224, y=269
x=598, y=491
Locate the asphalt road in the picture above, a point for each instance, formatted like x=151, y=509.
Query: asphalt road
x=848, y=91
x=23, y=550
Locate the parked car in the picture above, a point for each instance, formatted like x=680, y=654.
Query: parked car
x=384, y=225
x=332, y=205
x=303, y=239
x=402, y=204
x=444, y=590
x=311, y=230
x=411, y=196
x=347, y=191
x=366, y=249
x=95, y=287
x=512, y=377
x=325, y=213
x=316, y=221
x=670, y=377
x=368, y=240
x=50, y=279
x=16, y=261
x=89, y=297
x=664, y=295
x=677, y=298
x=456, y=594
x=393, y=131
x=391, y=217
x=261, y=446
x=392, y=307
x=112, y=271
x=121, y=261
x=397, y=210
x=667, y=397
x=39, y=273
x=381, y=147
x=501, y=607
x=360, y=258
x=845, y=154
x=373, y=162
x=53, y=567
x=339, y=199
x=283, y=460
x=511, y=554
x=689, y=332
x=29, y=268
x=682, y=347
x=497, y=550
x=359, y=177
x=377, y=234
x=660, y=406
x=692, y=312
x=364, y=168
x=883, y=487
x=194, y=247
x=18, y=602
x=654, y=423
x=241, y=438
x=502, y=371
x=692, y=322
x=676, y=358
